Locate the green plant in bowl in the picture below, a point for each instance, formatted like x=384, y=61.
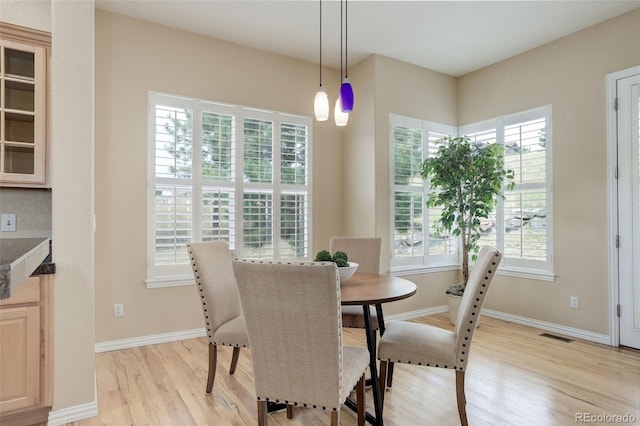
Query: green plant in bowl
x=345, y=268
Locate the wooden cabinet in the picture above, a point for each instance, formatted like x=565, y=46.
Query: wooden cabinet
x=20, y=360
x=25, y=353
x=23, y=106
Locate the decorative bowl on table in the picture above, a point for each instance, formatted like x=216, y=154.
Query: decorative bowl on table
x=346, y=272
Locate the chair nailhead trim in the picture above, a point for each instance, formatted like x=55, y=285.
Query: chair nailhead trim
x=467, y=336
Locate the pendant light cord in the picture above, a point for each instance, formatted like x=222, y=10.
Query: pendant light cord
x=341, y=25
x=320, y=42
x=346, y=39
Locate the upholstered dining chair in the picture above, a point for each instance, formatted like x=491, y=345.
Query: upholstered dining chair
x=218, y=293
x=292, y=312
x=431, y=346
x=365, y=252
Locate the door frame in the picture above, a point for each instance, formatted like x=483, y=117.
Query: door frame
x=612, y=196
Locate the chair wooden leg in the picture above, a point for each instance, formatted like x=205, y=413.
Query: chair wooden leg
x=335, y=418
x=384, y=367
x=389, y=374
x=234, y=359
x=290, y=411
x=360, y=400
x=213, y=357
x=262, y=413
x=462, y=401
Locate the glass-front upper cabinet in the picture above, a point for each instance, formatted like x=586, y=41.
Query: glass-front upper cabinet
x=22, y=113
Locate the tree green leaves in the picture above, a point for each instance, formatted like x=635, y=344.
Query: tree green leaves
x=465, y=180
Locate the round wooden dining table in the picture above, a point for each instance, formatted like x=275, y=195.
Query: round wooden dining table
x=373, y=289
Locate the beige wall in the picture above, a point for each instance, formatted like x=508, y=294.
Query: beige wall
x=570, y=75
x=33, y=14
x=359, y=219
x=386, y=86
x=134, y=57
x=72, y=27
x=411, y=91
x=564, y=73
x=72, y=202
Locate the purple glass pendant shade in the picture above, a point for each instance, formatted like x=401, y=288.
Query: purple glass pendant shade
x=346, y=95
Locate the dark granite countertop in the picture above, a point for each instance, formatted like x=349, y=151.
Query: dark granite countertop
x=20, y=258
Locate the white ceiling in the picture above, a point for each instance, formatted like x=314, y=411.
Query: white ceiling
x=452, y=37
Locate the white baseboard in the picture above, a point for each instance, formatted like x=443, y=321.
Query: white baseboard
x=73, y=414
x=417, y=314
x=134, y=342
x=578, y=333
x=200, y=332
x=530, y=322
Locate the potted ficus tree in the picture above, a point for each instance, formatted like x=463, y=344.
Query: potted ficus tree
x=466, y=179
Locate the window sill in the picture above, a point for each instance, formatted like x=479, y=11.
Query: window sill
x=169, y=281
x=399, y=271
x=509, y=272
x=530, y=274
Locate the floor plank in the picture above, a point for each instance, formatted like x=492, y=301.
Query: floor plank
x=514, y=377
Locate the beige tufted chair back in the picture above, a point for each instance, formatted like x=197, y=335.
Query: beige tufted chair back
x=213, y=272
x=218, y=294
x=473, y=300
x=292, y=311
x=366, y=252
x=363, y=250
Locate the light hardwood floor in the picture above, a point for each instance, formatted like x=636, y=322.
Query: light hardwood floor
x=514, y=377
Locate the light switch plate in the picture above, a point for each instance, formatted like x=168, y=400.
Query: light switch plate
x=8, y=222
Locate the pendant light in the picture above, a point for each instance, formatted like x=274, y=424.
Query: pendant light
x=340, y=117
x=321, y=101
x=346, y=91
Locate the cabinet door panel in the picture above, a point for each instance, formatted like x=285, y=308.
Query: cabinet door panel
x=19, y=63
x=19, y=357
x=19, y=96
x=23, y=112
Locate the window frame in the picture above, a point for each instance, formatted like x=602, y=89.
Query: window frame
x=180, y=273
x=539, y=270
x=440, y=262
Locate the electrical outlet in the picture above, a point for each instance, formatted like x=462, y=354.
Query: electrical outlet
x=574, y=302
x=8, y=222
x=118, y=310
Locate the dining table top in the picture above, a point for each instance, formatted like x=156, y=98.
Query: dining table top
x=373, y=289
